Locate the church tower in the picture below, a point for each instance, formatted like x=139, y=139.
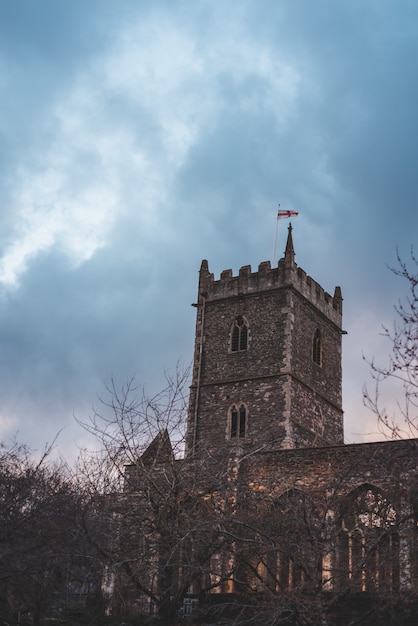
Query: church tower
x=267, y=360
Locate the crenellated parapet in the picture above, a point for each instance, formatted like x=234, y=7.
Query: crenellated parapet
x=285, y=275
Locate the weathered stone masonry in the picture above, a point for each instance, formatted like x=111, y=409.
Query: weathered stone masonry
x=266, y=392
x=291, y=508
x=290, y=399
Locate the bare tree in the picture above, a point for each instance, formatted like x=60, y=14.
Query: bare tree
x=42, y=555
x=402, y=366
x=127, y=422
x=309, y=548
x=274, y=543
x=159, y=510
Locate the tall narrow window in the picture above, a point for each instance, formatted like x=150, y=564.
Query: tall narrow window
x=239, y=335
x=317, y=348
x=237, y=421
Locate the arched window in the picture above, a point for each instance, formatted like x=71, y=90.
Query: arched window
x=368, y=546
x=288, y=545
x=237, y=422
x=296, y=544
x=239, y=334
x=317, y=347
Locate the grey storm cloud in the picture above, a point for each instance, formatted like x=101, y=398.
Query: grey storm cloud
x=139, y=138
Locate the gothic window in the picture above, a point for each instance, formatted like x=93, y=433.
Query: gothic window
x=237, y=421
x=317, y=347
x=239, y=334
x=221, y=573
x=298, y=551
x=368, y=545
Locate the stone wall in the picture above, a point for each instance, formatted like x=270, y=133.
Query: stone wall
x=290, y=399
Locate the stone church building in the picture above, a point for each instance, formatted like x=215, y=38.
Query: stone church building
x=266, y=391
x=304, y=513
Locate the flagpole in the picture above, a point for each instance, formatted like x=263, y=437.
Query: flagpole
x=275, y=238
x=281, y=213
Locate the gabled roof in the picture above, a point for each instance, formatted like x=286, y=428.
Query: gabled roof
x=160, y=450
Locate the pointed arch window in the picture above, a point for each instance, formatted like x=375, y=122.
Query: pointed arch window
x=368, y=542
x=239, y=334
x=237, y=422
x=296, y=546
x=317, y=347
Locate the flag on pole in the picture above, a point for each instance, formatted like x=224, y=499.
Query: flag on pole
x=283, y=213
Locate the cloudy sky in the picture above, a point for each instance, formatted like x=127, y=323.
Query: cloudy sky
x=139, y=136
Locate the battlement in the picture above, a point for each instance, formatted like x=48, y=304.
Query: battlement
x=286, y=274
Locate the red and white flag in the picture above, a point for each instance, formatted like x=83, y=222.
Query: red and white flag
x=282, y=213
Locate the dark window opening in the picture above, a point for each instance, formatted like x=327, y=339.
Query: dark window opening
x=242, y=420
x=239, y=337
x=234, y=422
x=235, y=339
x=238, y=419
x=317, y=348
